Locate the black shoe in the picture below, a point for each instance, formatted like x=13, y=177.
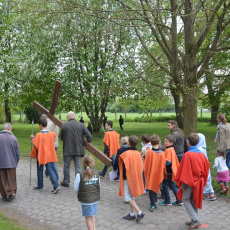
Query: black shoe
x=128, y=217
x=140, y=217
x=37, y=188
x=10, y=197
x=100, y=174
x=55, y=190
x=117, y=179
x=64, y=184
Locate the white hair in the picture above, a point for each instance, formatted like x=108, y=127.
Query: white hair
x=6, y=126
x=71, y=114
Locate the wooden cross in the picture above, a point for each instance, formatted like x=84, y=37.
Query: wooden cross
x=96, y=152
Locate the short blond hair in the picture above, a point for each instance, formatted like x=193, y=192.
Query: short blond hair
x=124, y=140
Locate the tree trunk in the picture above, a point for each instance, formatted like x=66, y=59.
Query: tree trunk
x=190, y=109
x=214, y=113
x=178, y=108
x=6, y=100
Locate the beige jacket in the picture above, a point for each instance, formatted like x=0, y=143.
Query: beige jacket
x=54, y=128
x=223, y=138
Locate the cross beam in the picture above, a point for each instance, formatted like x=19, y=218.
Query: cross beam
x=96, y=152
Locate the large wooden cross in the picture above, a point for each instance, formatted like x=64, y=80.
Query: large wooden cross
x=97, y=153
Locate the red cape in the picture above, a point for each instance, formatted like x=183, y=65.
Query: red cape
x=111, y=139
x=43, y=148
x=193, y=171
x=154, y=170
x=134, y=172
x=170, y=155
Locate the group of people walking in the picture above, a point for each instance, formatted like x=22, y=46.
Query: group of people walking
x=183, y=161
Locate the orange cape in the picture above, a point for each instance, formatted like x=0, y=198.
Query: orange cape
x=154, y=169
x=43, y=148
x=170, y=155
x=134, y=172
x=111, y=139
x=193, y=171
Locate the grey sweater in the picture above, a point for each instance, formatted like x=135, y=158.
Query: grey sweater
x=72, y=134
x=9, y=150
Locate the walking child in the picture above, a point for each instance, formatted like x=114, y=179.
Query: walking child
x=87, y=187
x=172, y=165
x=44, y=151
x=154, y=170
x=111, y=144
x=222, y=169
x=131, y=180
x=191, y=178
x=208, y=189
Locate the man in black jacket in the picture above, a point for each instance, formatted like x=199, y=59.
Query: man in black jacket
x=72, y=134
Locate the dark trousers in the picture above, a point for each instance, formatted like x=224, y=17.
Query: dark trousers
x=153, y=198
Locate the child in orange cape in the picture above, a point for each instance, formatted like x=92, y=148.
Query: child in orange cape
x=191, y=178
x=131, y=180
x=172, y=165
x=111, y=144
x=154, y=170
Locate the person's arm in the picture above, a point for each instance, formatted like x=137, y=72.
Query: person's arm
x=215, y=166
x=77, y=183
x=17, y=152
x=106, y=149
x=115, y=166
x=62, y=133
x=222, y=140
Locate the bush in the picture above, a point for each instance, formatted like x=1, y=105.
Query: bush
x=151, y=119
x=32, y=114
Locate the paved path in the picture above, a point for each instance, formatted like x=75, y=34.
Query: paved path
x=43, y=210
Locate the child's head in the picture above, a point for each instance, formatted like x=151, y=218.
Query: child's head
x=88, y=163
x=221, y=152
x=145, y=138
x=221, y=118
x=155, y=140
x=42, y=123
x=133, y=141
x=124, y=140
x=108, y=125
x=170, y=140
x=193, y=139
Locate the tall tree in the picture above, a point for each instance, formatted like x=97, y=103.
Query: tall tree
x=179, y=29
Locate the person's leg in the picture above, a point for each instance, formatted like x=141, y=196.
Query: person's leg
x=133, y=206
x=53, y=176
x=106, y=167
x=89, y=222
x=187, y=195
x=152, y=198
x=165, y=185
x=66, y=170
x=173, y=187
x=228, y=158
x=40, y=175
x=77, y=164
x=179, y=158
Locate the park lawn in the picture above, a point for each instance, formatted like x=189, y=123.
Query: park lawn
x=23, y=131
x=6, y=223
x=113, y=117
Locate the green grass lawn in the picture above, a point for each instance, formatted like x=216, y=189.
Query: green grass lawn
x=23, y=131
x=6, y=223
x=113, y=117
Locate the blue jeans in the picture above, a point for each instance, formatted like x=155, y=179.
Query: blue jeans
x=106, y=167
x=53, y=166
x=169, y=184
x=228, y=158
x=153, y=198
x=179, y=158
x=51, y=173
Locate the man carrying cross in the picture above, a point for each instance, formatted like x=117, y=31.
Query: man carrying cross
x=72, y=134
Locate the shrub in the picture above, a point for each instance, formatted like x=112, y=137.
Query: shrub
x=32, y=114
